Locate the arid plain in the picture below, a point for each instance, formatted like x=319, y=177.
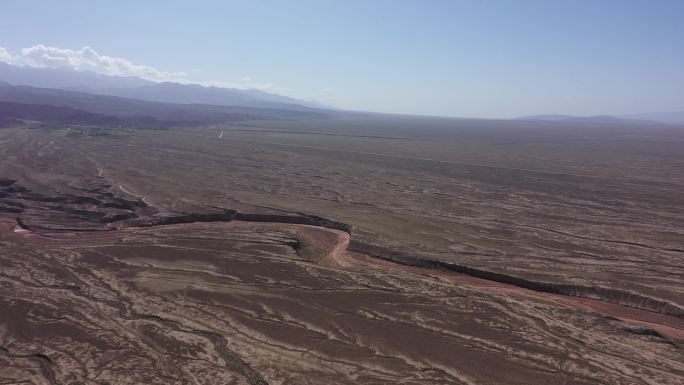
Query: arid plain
x=361, y=249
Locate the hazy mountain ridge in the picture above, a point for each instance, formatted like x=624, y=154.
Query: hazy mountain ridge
x=126, y=109
x=136, y=88
x=170, y=92
x=597, y=119
x=14, y=113
x=64, y=78
x=670, y=117
x=133, y=88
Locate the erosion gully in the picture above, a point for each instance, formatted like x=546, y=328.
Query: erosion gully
x=640, y=314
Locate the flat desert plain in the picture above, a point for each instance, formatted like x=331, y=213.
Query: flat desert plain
x=369, y=249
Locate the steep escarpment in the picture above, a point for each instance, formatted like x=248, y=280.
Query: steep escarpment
x=311, y=220
x=611, y=295
x=227, y=215
x=617, y=296
x=100, y=209
x=228, y=303
x=93, y=209
x=174, y=219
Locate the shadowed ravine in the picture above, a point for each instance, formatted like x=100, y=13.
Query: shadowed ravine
x=597, y=293
x=619, y=297
x=318, y=240
x=131, y=218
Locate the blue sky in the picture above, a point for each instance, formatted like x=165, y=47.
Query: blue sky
x=480, y=58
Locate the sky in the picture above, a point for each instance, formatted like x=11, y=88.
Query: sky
x=481, y=58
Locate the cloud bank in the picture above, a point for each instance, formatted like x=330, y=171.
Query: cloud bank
x=85, y=59
x=5, y=56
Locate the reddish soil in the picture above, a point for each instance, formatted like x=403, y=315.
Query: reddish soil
x=337, y=255
x=668, y=326
x=331, y=248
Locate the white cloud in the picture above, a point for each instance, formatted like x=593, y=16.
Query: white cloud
x=5, y=56
x=86, y=59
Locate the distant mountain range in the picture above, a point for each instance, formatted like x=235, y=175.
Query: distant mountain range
x=168, y=102
x=136, y=88
x=672, y=118
x=64, y=78
x=55, y=105
x=169, y=92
